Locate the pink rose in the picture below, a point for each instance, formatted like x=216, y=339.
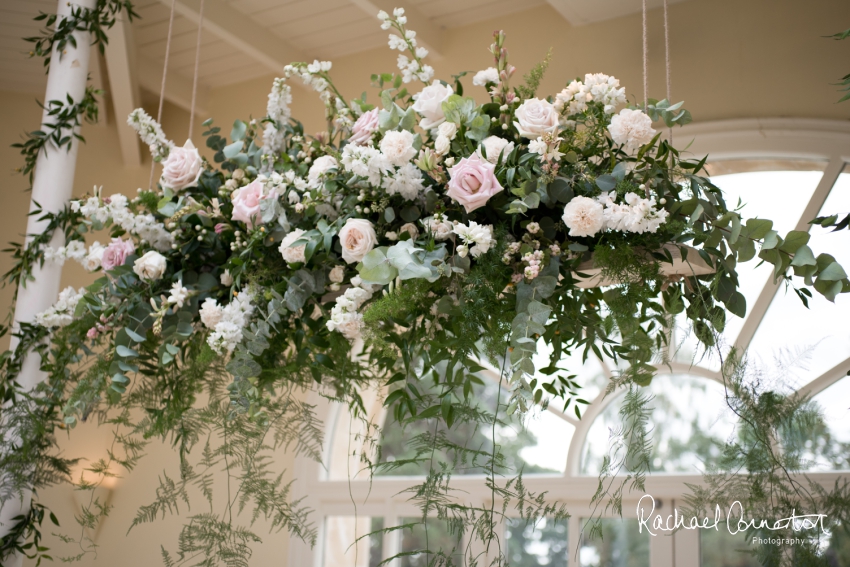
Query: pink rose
x=246, y=202
x=182, y=168
x=115, y=254
x=364, y=128
x=472, y=182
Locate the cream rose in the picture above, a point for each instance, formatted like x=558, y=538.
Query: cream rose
x=583, y=216
x=536, y=117
x=494, y=146
x=397, y=147
x=337, y=274
x=429, y=104
x=472, y=182
x=321, y=166
x=357, y=238
x=182, y=168
x=151, y=266
x=292, y=254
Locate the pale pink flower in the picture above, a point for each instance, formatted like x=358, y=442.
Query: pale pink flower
x=357, y=238
x=364, y=129
x=536, y=117
x=246, y=202
x=182, y=168
x=115, y=253
x=472, y=182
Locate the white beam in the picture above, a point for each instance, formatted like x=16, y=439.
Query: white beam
x=241, y=32
x=427, y=33
x=178, y=90
x=123, y=88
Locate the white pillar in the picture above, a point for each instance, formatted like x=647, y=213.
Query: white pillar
x=52, y=188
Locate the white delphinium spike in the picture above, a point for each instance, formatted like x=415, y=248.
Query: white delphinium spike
x=151, y=134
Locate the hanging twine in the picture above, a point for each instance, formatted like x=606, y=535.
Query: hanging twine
x=164, y=75
x=667, y=62
x=645, y=59
x=197, y=61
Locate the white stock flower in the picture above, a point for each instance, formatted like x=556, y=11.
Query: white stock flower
x=291, y=254
x=479, y=235
x=631, y=128
x=151, y=266
x=320, y=167
x=494, y=146
x=406, y=182
x=397, y=147
x=211, y=313
x=226, y=279
x=61, y=313
x=488, y=75
x=583, y=216
x=178, y=295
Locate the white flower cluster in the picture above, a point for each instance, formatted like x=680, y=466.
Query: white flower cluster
x=632, y=128
x=61, y=314
x=596, y=87
x=477, y=238
x=410, y=68
x=446, y=132
x=636, y=215
x=485, y=77
x=389, y=167
x=344, y=316
x=144, y=226
x=311, y=74
x=151, y=133
x=74, y=250
x=227, y=322
x=278, y=110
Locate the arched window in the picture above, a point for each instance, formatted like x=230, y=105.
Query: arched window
x=787, y=170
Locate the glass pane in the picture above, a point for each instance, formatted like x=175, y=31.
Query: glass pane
x=543, y=543
x=719, y=548
x=776, y=195
x=341, y=545
x=437, y=539
x=690, y=421
x=519, y=445
x=819, y=337
x=832, y=443
x=621, y=545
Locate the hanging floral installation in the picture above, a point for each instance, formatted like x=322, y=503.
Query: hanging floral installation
x=404, y=248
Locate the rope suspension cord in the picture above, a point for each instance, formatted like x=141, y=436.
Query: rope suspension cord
x=197, y=61
x=645, y=60
x=667, y=63
x=164, y=75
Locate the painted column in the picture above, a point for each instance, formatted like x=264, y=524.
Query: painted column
x=52, y=188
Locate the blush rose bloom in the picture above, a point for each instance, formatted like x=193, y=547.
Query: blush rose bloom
x=472, y=182
x=357, y=238
x=151, y=266
x=115, y=253
x=364, y=129
x=536, y=117
x=429, y=104
x=246, y=202
x=182, y=168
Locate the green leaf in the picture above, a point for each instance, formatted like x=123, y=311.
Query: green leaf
x=771, y=240
x=757, y=228
x=606, y=182
x=237, y=134
x=833, y=272
x=829, y=289
x=125, y=352
x=232, y=150
x=133, y=335
x=804, y=257
x=794, y=240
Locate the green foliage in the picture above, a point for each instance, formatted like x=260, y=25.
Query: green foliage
x=845, y=80
x=534, y=77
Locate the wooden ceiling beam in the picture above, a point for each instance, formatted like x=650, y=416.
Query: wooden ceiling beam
x=123, y=88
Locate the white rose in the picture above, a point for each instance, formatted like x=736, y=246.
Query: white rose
x=488, y=75
x=448, y=129
x=429, y=104
x=182, y=168
x=357, y=238
x=321, y=166
x=632, y=129
x=94, y=258
x=442, y=145
x=536, y=117
x=337, y=274
x=211, y=313
x=397, y=147
x=494, y=146
x=151, y=266
x=289, y=253
x=226, y=279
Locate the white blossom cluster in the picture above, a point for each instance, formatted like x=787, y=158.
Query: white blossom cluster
x=278, y=110
x=486, y=76
x=596, y=87
x=227, y=322
x=637, y=214
x=410, y=68
x=74, y=250
x=151, y=134
x=390, y=167
x=477, y=238
x=632, y=128
x=344, y=316
x=144, y=226
x=61, y=313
